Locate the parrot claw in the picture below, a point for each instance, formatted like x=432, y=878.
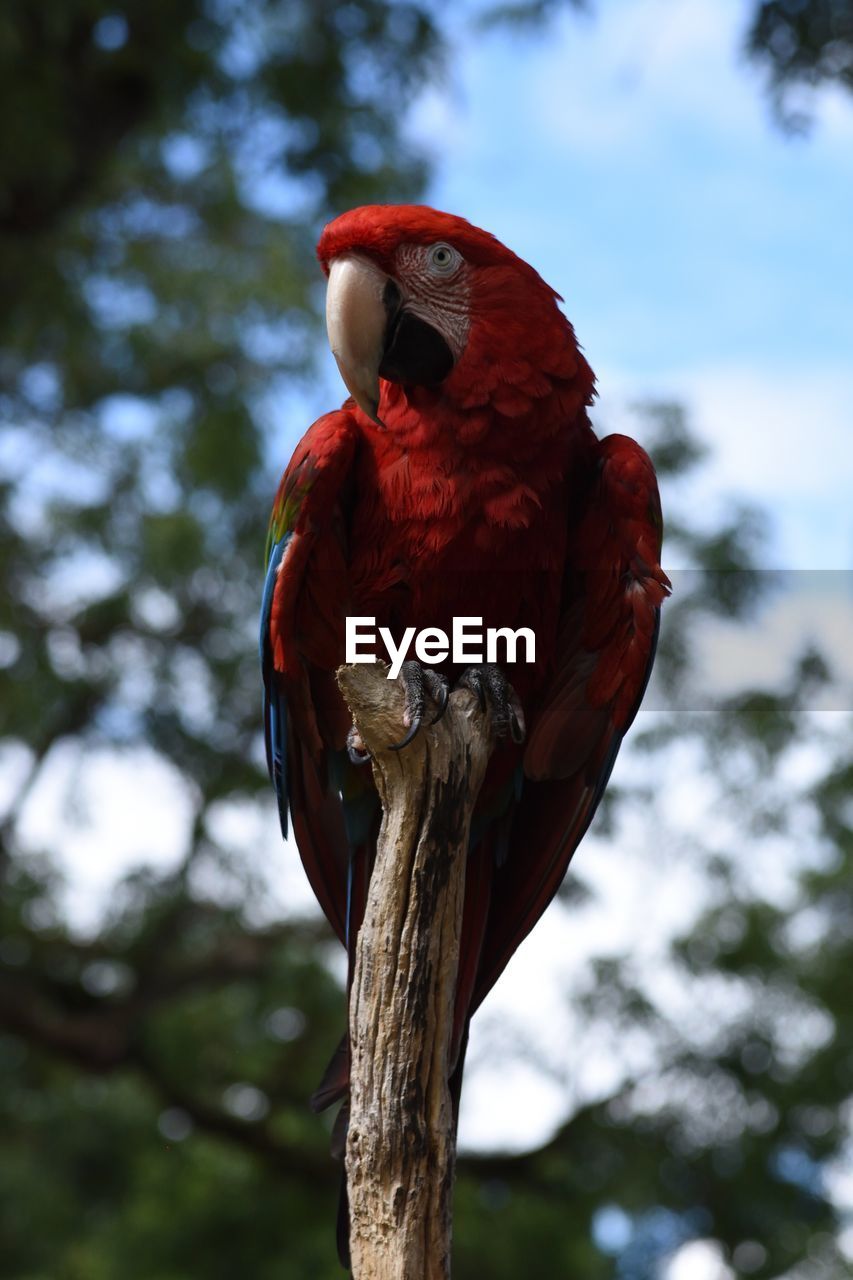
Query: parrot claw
x=419, y=681
x=495, y=693
x=356, y=750
x=441, y=694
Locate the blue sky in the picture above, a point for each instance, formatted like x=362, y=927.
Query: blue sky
x=630, y=156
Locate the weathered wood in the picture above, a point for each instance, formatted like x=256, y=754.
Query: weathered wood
x=401, y=1146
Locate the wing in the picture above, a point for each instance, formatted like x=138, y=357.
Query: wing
x=612, y=592
x=301, y=644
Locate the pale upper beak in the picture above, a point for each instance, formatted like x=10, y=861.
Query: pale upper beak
x=356, y=320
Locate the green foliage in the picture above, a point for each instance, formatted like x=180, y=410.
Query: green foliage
x=803, y=42
x=167, y=171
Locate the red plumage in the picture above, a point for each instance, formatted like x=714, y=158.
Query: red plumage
x=485, y=494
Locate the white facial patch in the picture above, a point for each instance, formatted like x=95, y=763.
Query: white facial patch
x=440, y=299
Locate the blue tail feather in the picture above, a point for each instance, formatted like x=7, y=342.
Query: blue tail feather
x=275, y=707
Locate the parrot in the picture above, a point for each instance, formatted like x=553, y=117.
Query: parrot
x=461, y=477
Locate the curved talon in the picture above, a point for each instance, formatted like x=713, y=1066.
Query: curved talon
x=358, y=754
x=442, y=699
x=419, y=681
x=398, y=746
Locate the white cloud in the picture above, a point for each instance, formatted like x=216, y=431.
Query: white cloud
x=698, y=1260
x=102, y=813
x=774, y=432
x=780, y=437
x=761, y=653
x=611, y=85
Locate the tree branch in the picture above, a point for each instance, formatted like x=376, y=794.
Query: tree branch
x=401, y=1141
x=107, y=1040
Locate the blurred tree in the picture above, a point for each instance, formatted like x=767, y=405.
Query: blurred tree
x=164, y=174
x=164, y=171
x=802, y=43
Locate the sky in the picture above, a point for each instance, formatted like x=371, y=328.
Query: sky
x=630, y=155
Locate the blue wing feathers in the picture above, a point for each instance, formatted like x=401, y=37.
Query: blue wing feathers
x=275, y=707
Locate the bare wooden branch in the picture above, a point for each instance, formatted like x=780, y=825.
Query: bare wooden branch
x=401, y=1145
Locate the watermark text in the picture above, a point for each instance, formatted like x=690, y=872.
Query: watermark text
x=467, y=645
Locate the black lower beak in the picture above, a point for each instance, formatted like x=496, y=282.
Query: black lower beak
x=414, y=352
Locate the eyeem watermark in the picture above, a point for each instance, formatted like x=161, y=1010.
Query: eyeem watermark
x=464, y=646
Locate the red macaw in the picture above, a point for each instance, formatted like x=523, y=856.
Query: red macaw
x=462, y=477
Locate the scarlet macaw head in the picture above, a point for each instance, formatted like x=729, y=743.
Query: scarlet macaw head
x=425, y=299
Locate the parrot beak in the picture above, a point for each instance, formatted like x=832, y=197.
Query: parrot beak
x=357, y=317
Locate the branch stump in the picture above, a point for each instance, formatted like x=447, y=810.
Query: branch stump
x=400, y=1151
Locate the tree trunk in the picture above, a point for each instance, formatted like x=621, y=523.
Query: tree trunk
x=401, y=1145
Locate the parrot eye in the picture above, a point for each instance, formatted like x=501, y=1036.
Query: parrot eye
x=443, y=259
